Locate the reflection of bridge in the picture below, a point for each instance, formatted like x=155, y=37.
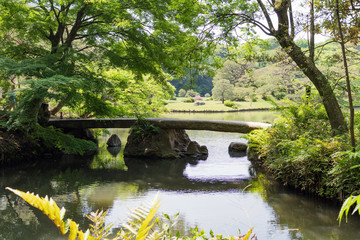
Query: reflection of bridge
x=164, y=123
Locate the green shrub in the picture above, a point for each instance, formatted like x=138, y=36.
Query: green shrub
x=191, y=93
x=299, y=151
x=143, y=128
x=207, y=95
x=229, y=104
x=189, y=100
x=241, y=99
x=181, y=93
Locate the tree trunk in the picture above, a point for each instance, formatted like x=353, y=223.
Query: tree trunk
x=57, y=108
x=308, y=67
x=312, y=32
x=321, y=83
x=30, y=113
x=347, y=77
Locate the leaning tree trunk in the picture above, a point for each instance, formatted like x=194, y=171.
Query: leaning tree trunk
x=28, y=116
x=321, y=83
x=307, y=66
x=57, y=108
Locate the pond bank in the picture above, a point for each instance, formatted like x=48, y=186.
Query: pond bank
x=15, y=147
x=222, y=111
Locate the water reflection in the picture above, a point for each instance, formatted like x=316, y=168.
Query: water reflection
x=222, y=193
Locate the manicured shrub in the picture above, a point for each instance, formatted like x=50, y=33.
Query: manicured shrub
x=207, y=95
x=191, y=93
x=181, y=93
x=198, y=98
x=229, y=104
x=189, y=100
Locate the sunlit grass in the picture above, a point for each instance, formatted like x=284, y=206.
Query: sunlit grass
x=211, y=105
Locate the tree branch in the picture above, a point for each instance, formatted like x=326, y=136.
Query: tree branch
x=291, y=17
x=267, y=17
x=76, y=26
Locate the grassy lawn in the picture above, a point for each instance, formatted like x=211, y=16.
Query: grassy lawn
x=179, y=105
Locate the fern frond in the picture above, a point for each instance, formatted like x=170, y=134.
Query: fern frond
x=51, y=209
x=148, y=223
x=141, y=222
x=99, y=230
x=248, y=235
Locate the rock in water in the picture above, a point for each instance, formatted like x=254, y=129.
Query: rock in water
x=114, y=141
x=238, y=147
x=114, y=151
x=194, y=149
x=167, y=143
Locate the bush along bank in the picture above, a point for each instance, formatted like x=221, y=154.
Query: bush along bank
x=300, y=151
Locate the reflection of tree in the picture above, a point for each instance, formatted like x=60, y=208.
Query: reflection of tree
x=102, y=196
x=105, y=159
x=19, y=221
x=83, y=190
x=304, y=216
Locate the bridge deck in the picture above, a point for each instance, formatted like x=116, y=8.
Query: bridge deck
x=165, y=123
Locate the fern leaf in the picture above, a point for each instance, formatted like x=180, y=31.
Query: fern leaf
x=247, y=236
x=51, y=209
x=141, y=221
x=73, y=230
x=99, y=229
x=146, y=226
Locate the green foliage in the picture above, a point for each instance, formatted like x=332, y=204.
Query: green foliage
x=68, y=53
x=254, y=98
x=143, y=128
x=189, y=100
x=264, y=97
x=345, y=175
x=347, y=205
x=233, y=71
x=207, y=95
x=191, y=93
x=299, y=150
x=229, y=104
x=242, y=93
x=222, y=90
x=181, y=93
x=54, y=138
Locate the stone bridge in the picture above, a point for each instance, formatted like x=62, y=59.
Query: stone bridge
x=164, y=123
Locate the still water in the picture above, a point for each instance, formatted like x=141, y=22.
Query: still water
x=222, y=193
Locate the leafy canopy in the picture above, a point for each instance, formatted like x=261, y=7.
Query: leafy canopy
x=63, y=51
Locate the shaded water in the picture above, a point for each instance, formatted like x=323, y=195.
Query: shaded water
x=209, y=194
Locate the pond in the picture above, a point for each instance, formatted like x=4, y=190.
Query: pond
x=222, y=193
